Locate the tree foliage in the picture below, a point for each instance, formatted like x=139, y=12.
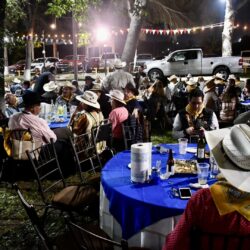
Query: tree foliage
x=79, y=8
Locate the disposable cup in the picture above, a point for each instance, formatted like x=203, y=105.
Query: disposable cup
x=203, y=171
x=182, y=145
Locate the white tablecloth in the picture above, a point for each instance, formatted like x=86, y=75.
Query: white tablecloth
x=152, y=236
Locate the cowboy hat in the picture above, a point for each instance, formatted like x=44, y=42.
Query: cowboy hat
x=68, y=84
x=191, y=82
x=89, y=98
x=209, y=85
x=231, y=150
x=88, y=78
x=172, y=77
x=116, y=95
x=31, y=98
x=119, y=64
x=219, y=79
x=16, y=80
x=96, y=87
x=232, y=77
x=50, y=86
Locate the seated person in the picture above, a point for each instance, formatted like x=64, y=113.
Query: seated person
x=246, y=90
x=50, y=94
x=224, y=207
x=189, y=121
x=16, y=87
x=29, y=119
x=117, y=116
x=87, y=114
x=12, y=106
x=130, y=93
x=67, y=96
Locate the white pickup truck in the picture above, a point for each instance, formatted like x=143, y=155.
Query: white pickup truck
x=182, y=62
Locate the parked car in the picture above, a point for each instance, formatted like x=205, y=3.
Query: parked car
x=67, y=63
x=108, y=58
x=183, y=62
x=245, y=59
x=19, y=66
x=94, y=62
x=39, y=63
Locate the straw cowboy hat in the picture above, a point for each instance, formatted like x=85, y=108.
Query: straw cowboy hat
x=232, y=77
x=16, y=80
x=219, y=79
x=231, y=150
x=89, y=98
x=209, y=85
x=116, y=95
x=97, y=87
x=50, y=86
x=172, y=77
x=119, y=64
x=192, y=83
x=68, y=84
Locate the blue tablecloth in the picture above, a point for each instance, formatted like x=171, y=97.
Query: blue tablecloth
x=136, y=206
x=59, y=124
x=245, y=103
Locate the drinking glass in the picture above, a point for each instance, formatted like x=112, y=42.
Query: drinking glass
x=214, y=169
x=182, y=145
x=203, y=171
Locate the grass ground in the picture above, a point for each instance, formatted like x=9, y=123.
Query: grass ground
x=15, y=230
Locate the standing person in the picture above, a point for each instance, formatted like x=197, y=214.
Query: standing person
x=195, y=117
x=119, y=78
x=226, y=202
x=44, y=78
x=172, y=82
x=201, y=82
x=26, y=86
x=117, y=116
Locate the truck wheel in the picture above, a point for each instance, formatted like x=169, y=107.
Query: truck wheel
x=153, y=73
x=222, y=70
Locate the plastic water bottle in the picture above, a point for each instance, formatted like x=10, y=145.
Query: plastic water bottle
x=65, y=112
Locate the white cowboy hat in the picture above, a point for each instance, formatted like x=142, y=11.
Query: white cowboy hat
x=219, y=79
x=50, y=86
x=68, y=84
x=231, y=150
x=191, y=82
x=119, y=64
x=16, y=80
x=116, y=95
x=89, y=98
x=232, y=77
x=172, y=77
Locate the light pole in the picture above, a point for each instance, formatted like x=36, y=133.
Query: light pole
x=53, y=27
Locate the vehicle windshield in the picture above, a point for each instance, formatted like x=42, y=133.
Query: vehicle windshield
x=38, y=60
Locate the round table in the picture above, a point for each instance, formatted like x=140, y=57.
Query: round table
x=139, y=206
x=54, y=125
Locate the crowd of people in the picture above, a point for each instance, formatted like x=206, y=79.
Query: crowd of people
x=187, y=106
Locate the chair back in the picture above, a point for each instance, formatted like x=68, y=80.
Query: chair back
x=34, y=219
x=46, y=167
x=94, y=238
x=103, y=132
x=132, y=132
x=21, y=134
x=201, y=240
x=85, y=154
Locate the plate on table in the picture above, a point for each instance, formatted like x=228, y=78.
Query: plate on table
x=191, y=150
x=185, y=167
x=129, y=165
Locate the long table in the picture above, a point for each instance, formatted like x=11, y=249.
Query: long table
x=142, y=213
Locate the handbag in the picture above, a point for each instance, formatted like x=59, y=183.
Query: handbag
x=20, y=147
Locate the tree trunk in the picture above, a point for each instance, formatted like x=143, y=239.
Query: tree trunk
x=2, y=16
x=6, y=68
x=227, y=33
x=28, y=54
x=136, y=20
